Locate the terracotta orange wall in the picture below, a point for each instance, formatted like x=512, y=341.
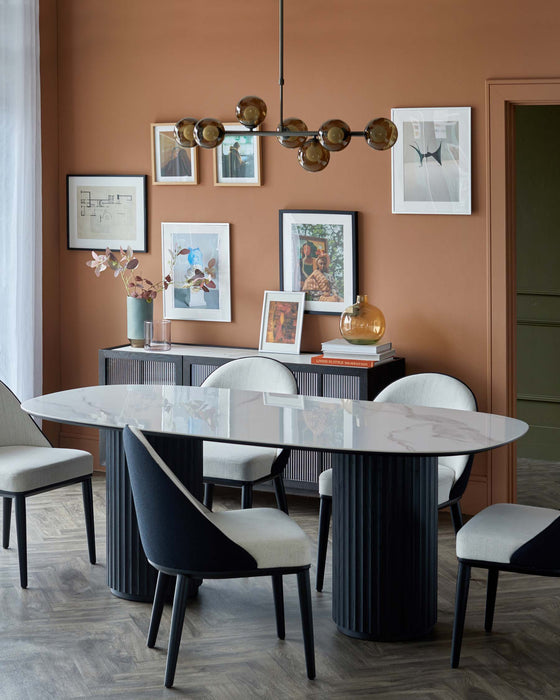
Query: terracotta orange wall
x=122, y=65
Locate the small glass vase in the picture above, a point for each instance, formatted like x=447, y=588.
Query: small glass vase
x=137, y=311
x=362, y=323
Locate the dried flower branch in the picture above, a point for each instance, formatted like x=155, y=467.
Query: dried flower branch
x=135, y=285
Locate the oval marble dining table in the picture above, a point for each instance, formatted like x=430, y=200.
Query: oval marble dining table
x=384, y=459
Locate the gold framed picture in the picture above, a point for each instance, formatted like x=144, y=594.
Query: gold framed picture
x=172, y=164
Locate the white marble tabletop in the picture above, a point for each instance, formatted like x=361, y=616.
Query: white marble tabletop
x=308, y=422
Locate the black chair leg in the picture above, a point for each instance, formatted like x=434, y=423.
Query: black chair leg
x=177, y=619
x=6, y=520
x=304, y=590
x=278, y=592
x=325, y=510
x=87, y=494
x=157, y=608
x=280, y=491
x=247, y=496
x=208, y=495
x=456, y=516
x=21, y=531
x=491, y=588
x=463, y=579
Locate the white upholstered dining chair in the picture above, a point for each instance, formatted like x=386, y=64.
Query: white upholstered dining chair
x=503, y=537
x=427, y=389
x=227, y=544
x=246, y=465
x=29, y=464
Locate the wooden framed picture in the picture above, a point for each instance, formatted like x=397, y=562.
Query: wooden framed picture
x=281, y=322
x=237, y=160
x=318, y=257
x=197, y=258
x=431, y=161
x=172, y=164
x=106, y=210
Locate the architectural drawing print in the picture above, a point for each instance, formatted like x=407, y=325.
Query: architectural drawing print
x=107, y=211
x=103, y=210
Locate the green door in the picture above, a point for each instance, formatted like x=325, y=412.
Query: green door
x=537, y=169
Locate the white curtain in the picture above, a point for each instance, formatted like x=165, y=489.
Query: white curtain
x=21, y=344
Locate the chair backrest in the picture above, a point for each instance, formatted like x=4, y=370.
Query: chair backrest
x=253, y=374
x=437, y=391
x=174, y=526
x=16, y=426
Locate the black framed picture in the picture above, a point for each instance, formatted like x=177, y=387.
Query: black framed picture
x=107, y=211
x=318, y=257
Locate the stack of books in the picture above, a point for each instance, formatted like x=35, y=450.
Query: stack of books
x=341, y=352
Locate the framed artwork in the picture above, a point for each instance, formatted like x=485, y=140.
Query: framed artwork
x=106, y=210
x=431, y=161
x=172, y=164
x=318, y=257
x=282, y=321
x=197, y=258
x=237, y=160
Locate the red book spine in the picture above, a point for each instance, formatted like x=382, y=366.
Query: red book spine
x=341, y=362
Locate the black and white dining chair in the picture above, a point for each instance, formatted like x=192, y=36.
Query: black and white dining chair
x=29, y=464
x=246, y=465
x=427, y=389
x=503, y=537
x=183, y=539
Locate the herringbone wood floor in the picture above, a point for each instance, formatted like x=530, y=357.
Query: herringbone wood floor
x=66, y=636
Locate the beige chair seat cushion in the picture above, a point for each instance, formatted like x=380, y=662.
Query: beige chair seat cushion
x=237, y=462
x=268, y=534
x=25, y=468
x=498, y=531
x=446, y=479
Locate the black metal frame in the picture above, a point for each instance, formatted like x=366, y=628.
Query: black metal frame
x=21, y=519
x=463, y=580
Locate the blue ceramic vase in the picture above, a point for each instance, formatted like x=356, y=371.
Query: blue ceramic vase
x=137, y=311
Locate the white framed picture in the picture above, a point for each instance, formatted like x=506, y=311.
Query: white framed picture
x=237, y=160
x=281, y=322
x=196, y=255
x=431, y=161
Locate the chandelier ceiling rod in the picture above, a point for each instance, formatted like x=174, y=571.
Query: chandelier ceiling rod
x=314, y=147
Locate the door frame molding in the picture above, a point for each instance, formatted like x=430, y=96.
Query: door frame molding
x=502, y=96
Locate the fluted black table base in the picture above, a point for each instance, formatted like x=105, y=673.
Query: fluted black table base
x=129, y=575
x=384, y=545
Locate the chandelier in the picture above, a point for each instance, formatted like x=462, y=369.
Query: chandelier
x=314, y=147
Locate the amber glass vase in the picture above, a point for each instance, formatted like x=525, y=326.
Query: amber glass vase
x=362, y=323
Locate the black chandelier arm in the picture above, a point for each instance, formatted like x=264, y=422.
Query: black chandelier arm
x=281, y=62
x=283, y=132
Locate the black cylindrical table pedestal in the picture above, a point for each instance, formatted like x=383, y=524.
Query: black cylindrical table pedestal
x=384, y=545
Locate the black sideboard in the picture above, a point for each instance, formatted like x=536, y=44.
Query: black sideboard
x=189, y=365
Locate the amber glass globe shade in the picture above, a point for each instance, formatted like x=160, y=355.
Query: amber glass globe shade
x=362, y=323
x=184, y=132
x=250, y=111
x=313, y=157
x=335, y=135
x=292, y=124
x=381, y=134
x=209, y=133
